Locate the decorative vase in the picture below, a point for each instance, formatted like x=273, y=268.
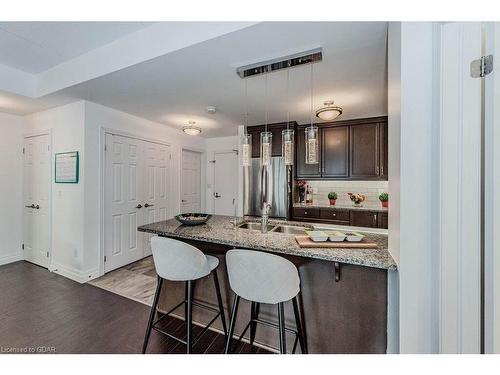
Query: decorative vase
x=302, y=195
x=332, y=202
x=385, y=204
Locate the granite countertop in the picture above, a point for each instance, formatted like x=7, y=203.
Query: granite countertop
x=343, y=207
x=219, y=229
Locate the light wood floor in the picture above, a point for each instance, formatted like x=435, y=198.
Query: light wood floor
x=136, y=281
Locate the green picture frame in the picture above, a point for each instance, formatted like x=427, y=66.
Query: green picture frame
x=67, y=167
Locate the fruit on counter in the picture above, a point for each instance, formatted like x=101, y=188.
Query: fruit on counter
x=357, y=198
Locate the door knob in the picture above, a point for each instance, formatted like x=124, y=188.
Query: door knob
x=37, y=207
x=32, y=206
x=217, y=195
x=138, y=206
x=148, y=205
x=183, y=201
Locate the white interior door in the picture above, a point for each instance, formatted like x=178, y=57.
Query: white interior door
x=37, y=199
x=123, y=203
x=225, y=184
x=191, y=181
x=156, y=187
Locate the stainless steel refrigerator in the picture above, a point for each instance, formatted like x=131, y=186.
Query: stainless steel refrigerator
x=271, y=184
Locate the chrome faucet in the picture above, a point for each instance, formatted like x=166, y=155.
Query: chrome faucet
x=265, y=216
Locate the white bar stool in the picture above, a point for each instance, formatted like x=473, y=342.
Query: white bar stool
x=178, y=261
x=264, y=278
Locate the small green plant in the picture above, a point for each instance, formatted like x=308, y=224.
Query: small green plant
x=332, y=195
x=384, y=197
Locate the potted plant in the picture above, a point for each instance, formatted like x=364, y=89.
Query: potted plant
x=332, y=196
x=384, y=198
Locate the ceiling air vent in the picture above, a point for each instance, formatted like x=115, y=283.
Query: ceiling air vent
x=290, y=61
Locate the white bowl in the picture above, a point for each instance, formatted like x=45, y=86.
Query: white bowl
x=353, y=236
x=336, y=236
x=317, y=235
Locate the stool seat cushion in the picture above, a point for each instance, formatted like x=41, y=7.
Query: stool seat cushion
x=262, y=277
x=178, y=261
x=213, y=262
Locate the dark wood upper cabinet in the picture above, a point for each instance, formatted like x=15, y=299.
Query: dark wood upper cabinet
x=335, y=152
x=364, y=150
x=303, y=170
x=383, y=146
x=275, y=129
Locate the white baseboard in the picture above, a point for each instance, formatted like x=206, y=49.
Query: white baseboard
x=73, y=273
x=14, y=257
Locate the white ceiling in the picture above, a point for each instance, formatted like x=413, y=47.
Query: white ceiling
x=176, y=87
x=37, y=46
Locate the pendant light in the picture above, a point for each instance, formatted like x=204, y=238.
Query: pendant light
x=311, y=134
x=266, y=139
x=246, y=140
x=329, y=112
x=287, y=135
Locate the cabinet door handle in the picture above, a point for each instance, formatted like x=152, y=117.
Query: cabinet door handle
x=148, y=205
x=376, y=170
x=374, y=218
x=334, y=215
x=139, y=206
x=381, y=170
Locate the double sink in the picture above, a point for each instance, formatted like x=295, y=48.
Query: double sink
x=275, y=228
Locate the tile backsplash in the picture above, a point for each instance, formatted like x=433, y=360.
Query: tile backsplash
x=371, y=189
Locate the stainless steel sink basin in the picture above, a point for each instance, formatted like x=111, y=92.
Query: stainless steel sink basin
x=254, y=226
x=291, y=229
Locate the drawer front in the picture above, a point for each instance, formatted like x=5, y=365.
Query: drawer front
x=333, y=214
x=306, y=212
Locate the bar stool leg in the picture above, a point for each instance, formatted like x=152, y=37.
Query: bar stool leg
x=254, y=314
x=298, y=323
x=152, y=314
x=281, y=322
x=236, y=302
x=219, y=300
x=189, y=321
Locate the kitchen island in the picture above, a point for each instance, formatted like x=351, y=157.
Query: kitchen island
x=344, y=291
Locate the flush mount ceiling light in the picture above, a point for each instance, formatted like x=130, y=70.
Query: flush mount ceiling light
x=329, y=112
x=191, y=129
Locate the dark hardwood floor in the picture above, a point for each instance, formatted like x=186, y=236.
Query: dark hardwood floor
x=42, y=311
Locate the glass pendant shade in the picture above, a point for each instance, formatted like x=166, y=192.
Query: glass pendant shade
x=312, y=145
x=246, y=150
x=266, y=144
x=287, y=146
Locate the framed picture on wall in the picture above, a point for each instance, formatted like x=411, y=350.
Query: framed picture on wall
x=67, y=167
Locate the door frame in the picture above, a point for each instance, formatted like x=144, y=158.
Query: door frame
x=47, y=132
x=203, y=176
x=225, y=151
x=102, y=182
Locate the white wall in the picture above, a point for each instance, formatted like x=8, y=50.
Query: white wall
x=67, y=125
x=98, y=117
x=11, y=199
x=213, y=145
x=76, y=223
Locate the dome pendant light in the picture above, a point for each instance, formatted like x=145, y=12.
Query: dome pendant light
x=287, y=135
x=191, y=129
x=329, y=112
x=311, y=134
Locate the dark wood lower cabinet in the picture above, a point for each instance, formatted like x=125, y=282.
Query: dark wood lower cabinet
x=342, y=216
x=348, y=316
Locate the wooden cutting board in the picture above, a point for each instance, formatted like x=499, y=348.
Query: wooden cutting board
x=305, y=241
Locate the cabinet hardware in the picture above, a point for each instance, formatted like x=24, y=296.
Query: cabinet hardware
x=334, y=215
x=337, y=271
x=32, y=206
x=381, y=170
x=376, y=170
x=138, y=206
x=148, y=205
x=37, y=207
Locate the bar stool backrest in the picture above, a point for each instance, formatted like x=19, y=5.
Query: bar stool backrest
x=178, y=261
x=262, y=277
